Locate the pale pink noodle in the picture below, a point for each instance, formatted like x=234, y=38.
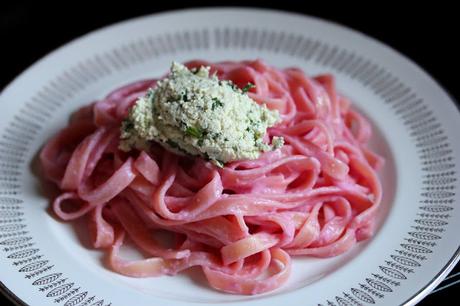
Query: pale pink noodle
x=82, y=209
x=101, y=232
x=148, y=168
x=76, y=167
x=154, y=266
x=140, y=234
x=247, y=246
x=120, y=179
x=240, y=284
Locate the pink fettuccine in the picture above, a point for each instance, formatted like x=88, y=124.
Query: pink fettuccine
x=316, y=196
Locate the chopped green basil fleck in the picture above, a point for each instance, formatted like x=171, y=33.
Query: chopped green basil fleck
x=194, y=132
x=218, y=163
x=247, y=87
x=216, y=103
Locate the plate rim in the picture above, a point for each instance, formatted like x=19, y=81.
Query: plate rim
x=416, y=297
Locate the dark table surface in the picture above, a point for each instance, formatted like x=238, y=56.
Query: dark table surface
x=426, y=34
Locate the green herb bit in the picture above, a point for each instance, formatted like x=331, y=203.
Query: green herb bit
x=149, y=93
x=216, y=103
x=184, y=96
x=248, y=87
x=233, y=86
x=218, y=163
x=194, y=132
x=127, y=125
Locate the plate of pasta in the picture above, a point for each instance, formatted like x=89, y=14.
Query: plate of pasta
x=226, y=156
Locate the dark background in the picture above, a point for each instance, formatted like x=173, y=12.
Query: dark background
x=428, y=34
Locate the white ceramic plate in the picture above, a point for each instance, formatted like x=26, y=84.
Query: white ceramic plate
x=43, y=261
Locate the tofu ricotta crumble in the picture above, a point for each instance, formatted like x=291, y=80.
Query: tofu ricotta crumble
x=194, y=113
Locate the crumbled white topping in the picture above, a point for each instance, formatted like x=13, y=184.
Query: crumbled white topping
x=191, y=112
